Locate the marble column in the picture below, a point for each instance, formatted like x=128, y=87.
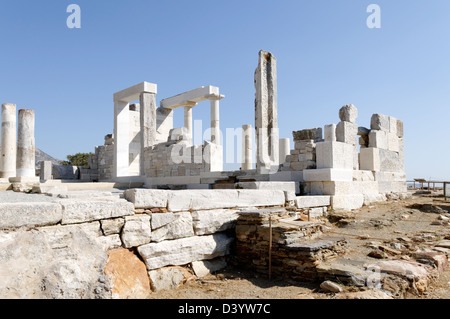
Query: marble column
x=285, y=149
x=26, y=166
x=247, y=160
x=188, y=121
x=8, y=141
x=266, y=114
x=215, y=119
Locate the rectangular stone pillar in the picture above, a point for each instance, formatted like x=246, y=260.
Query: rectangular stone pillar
x=46, y=171
x=266, y=113
x=26, y=149
x=121, y=138
x=8, y=141
x=148, y=124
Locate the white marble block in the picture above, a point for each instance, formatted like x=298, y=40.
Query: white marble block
x=378, y=139
x=334, y=155
x=346, y=132
x=369, y=159
x=380, y=122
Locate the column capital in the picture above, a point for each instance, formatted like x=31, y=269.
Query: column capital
x=190, y=104
x=215, y=97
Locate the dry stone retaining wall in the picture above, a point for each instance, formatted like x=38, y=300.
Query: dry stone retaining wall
x=62, y=247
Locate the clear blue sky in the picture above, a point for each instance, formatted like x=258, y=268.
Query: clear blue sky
x=327, y=57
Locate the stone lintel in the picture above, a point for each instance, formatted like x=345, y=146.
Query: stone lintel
x=191, y=97
x=132, y=93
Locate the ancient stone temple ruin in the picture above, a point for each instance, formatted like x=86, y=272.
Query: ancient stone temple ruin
x=349, y=164
x=181, y=211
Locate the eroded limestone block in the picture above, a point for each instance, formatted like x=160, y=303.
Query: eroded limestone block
x=136, y=231
x=308, y=134
x=348, y=113
x=205, y=267
x=15, y=215
x=167, y=278
x=147, y=198
x=335, y=155
x=185, y=250
x=330, y=133
x=180, y=227
x=80, y=211
x=380, y=122
x=211, y=221
x=346, y=132
x=378, y=139
x=112, y=226
x=212, y=199
x=62, y=262
x=312, y=201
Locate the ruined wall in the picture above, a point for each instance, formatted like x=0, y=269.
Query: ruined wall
x=333, y=166
x=81, y=246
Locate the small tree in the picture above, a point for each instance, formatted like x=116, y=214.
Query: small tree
x=79, y=159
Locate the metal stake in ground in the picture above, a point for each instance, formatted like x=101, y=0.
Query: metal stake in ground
x=270, y=247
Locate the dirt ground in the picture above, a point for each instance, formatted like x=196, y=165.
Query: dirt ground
x=382, y=222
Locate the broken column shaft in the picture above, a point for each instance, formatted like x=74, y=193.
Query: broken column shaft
x=266, y=117
x=26, y=144
x=8, y=141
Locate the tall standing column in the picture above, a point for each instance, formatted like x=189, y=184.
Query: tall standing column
x=215, y=119
x=148, y=125
x=26, y=166
x=266, y=113
x=247, y=153
x=188, y=121
x=8, y=141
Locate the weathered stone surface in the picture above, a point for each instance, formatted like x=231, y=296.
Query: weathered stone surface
x=312, y=201
x=348, y=113
x=161, y=219
x=128, y=275
x=346, y=132
x=367, y=294
x=112, y=226
x=308, y=134
x=185, y=250
x=80, y=211
x=380, y=122
x=389, y=161
x=147, y=198
x=347, y=202
x=266, y=112
x=405, y=268
x=335, y=155
x=65, y=172
x=205, y=267
x=330, y=133
x=168, y=278
x=211, y=221
x=62, y=262
x=180, y=227
x=212, y=199
x=14, y=215
x=378, y=139
x=330, y=286
x=136, y=231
